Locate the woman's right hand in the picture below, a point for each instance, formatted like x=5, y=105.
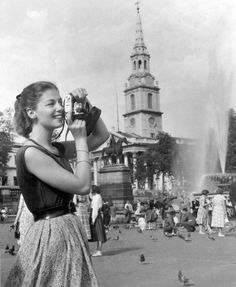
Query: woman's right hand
x=77, y=128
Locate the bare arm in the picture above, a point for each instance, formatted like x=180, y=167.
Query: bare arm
x=49, y=171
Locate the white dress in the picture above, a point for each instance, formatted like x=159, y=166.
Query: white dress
x=218, y=211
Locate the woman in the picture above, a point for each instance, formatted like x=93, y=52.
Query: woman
x=24, y=218
x=219, y=211
x=202, y=210
x=55, y=252
x=82, y=206
x=128, y=211
x=96, y=222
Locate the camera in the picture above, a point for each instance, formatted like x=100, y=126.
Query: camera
x=78, y=107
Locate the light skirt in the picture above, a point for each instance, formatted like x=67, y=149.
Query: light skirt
x=55, y=253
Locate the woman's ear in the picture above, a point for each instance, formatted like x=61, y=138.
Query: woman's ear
x=31, y=113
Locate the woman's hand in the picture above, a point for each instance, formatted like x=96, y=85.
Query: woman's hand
x=79, y=93
x=77, y=128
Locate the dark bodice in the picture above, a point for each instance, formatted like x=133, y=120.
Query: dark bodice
x=38, y=195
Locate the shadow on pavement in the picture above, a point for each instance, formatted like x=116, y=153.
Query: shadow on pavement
x=121, y=250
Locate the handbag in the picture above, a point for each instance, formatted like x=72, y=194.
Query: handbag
x=17, y=231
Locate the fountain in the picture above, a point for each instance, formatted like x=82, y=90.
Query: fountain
x=214, y=145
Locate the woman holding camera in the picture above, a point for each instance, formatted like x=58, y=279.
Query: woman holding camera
x=55, y=252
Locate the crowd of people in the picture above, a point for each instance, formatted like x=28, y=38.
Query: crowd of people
x=207, y=214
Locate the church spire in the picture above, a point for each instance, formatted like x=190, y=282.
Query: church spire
x=139, y=42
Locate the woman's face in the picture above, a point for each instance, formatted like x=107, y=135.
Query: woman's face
x=49, y=109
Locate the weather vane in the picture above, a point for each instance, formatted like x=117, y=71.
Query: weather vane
x=137, y=3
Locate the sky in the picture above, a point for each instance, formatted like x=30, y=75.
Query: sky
x=88, y=44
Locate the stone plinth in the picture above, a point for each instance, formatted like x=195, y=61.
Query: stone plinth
x=115, y=184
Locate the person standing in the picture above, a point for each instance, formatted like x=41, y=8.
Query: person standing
x=24, y=218
x=128, y=211
x=82, y=206
x=202, y=211
x=106, y=211
x=56, y=251
x=96, y=221
x=219, y=211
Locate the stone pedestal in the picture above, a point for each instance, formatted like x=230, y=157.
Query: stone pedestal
x=115, y=184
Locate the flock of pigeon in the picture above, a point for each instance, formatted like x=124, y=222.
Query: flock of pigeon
x=185, y=281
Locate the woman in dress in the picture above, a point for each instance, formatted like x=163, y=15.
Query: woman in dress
x=96, y=221
x=202, y=211
x=82, y=206
x=24, y=218
x=55, y=251
x=219, y=211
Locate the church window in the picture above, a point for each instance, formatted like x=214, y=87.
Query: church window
x=151, y=121
x=132, y=122
x=139, y=64
x=132, y=99
x=150, y=101
x=145, y=64
x=15, y=180
x=134, y=65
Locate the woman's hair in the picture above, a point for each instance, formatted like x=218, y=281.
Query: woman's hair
x=95, y=189
x=29, y=99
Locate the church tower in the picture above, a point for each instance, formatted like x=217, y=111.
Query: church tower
x=142, y=101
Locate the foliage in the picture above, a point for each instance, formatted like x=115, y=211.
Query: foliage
x=157, y=160
x=231, y=151
x=6, y=143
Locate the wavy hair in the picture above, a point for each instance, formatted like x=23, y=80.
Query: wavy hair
x=29, y=98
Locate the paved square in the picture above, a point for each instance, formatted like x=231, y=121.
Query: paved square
x=204, y=261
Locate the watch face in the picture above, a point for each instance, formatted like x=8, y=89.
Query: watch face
x=132, y=122
x=151, y=121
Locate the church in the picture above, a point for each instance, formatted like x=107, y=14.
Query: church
x=142, y=116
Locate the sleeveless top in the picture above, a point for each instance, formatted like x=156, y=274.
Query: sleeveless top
x=38, y=195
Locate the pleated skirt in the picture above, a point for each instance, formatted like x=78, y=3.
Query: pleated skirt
x=98, y=232
x=54, y=253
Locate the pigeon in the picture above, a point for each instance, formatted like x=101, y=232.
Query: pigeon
x=12, y=250
x=139, y=230
x=188, y=237
x=211, y=237
x=142, y=258
x=117, y=237
x=116, y=227
x=120, y=231
x=12, y=227
x=184, y=280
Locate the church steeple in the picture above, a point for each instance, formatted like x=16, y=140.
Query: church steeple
x=142, y=102
x=139, y=42
x=140, y=56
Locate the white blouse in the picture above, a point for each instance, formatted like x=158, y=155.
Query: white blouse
x=96, y=204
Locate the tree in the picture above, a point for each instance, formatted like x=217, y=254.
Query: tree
x=157, y=160
x=6, y=141
x=231, y=150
